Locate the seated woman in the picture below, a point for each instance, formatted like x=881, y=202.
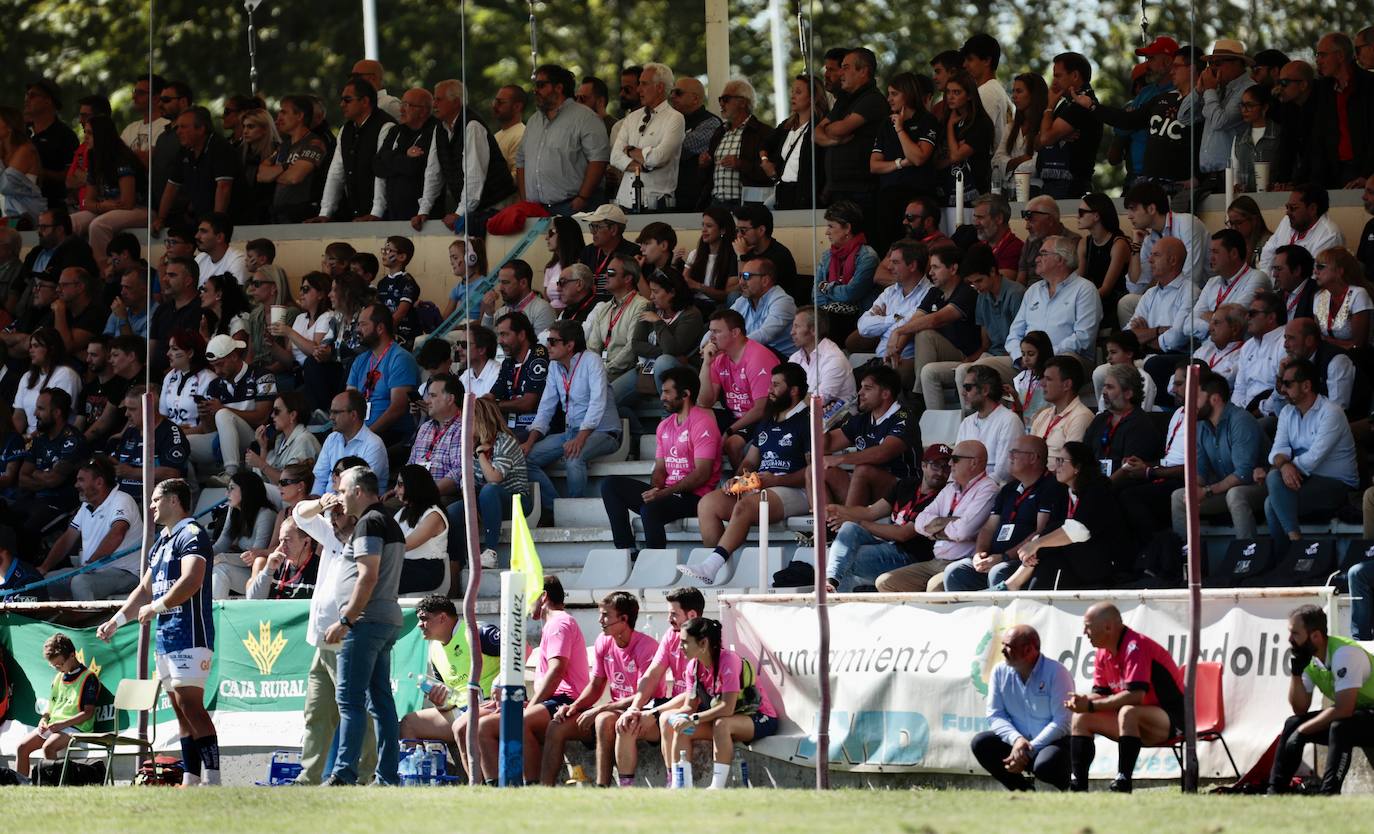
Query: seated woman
x=269, y=290
x=247, y=527
x=293, y=444
x=187, y=378
x=725, y=701
x=709, y=267
x=667, y=335
x=467, y=258
x=20, y=168
x=499, y=475
x=425, y=527
x=309, y=335
x=846, y=268
x=49, y=367
x=115, y=189
x=293, y=488
x=564, y=239
x=290, y=570
x=1079, y=553
x=1342, y=304
x=222, y=296
x=1028, y=398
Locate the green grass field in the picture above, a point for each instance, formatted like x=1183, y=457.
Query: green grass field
x=534, y=811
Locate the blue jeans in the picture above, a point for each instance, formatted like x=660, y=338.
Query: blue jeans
x=661, y=366
x=625, y=390
x=961, y=575
x=1281, y=509
x=365, y=687
x=493, y=507
x=550, y=449
x=858, y=554
x=1361, y=578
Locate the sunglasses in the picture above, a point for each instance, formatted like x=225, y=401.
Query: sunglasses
x=1084, y=212
x=347, y=99
x=1026, y=214
x=556, y=341
x=291, y=481
x=1287, y=383
x=960, y=457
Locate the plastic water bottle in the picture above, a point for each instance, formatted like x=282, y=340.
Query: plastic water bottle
x=682, y=771
x=438, y=762
x=742, y=772
x=426, y=766
x=422, y=681
x=406, y=770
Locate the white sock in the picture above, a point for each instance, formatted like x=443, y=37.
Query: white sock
x=711, y=567
x=188, y=779
x=720, y=775
x=210, y=777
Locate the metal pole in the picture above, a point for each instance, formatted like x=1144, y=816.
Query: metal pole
x=250, y=6
x=147, y=407
x=469, y=491
x=822, y=594
x=370, y=29
x=763, y=541
x=777, y=26
x=1195, y=556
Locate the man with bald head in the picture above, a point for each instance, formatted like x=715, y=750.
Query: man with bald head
x=1024, y=742
x=1341, y=149
x=952, y=521
x=688, y=97
x=372, y=72
x=1025, y=507
x=1042, y=221
x=1336, y=377
x=407, y=163
x=1136, y=700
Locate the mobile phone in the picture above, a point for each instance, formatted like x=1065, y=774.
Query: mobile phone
x=200, y=398
x=414, y=396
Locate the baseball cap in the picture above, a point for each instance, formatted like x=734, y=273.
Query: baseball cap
x=606, y=211
x=937, y=451
x=221, y=346
x=1162, y=45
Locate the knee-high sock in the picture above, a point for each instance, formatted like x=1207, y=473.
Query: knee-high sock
x=1081, y=752
x=1128, y=751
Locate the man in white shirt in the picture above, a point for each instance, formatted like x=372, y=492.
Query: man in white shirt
x=828, y=371
x=982, y=53
x=649, y=144
x=137, y=135
x=1225, y=339
x=907, y=262
x=477, y=355
x=372, y=72
x=1147, y=209
x=108, y=522
x=1335, y=370
x=991, y=423
x=1258, y=365
x=1305, y=223
x=1233, y=282
x=214, y=257
x=1161, y=320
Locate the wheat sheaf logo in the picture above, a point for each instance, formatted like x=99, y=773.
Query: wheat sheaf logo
x=265, y=648
x=93, y=666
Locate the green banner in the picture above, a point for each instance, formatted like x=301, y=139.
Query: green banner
x=261, y=661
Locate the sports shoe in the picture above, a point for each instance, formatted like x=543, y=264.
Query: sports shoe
x=488, y=558
x=1121, y=784
x=333, y=781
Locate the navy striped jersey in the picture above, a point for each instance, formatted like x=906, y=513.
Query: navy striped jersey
x=189, y=625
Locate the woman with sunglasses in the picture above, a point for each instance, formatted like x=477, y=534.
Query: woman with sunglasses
x=269, y=288
x=1259, y=140
x=247, y=528
x=222, y=295
x=1244, y=216
x=1104, y=252
x=564, y=239
x=294, y=443
x=316, y=325
x=49, y=367
x=292, y=488
x=1342, y=304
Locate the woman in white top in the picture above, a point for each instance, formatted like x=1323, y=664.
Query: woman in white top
x=564, y=239
x=311, y=328
x=789, y=150
x=48, y=368
x=1030, y=97
x=1342, y=303
x=187, y=378
x=293, y=444
x=425, y=526
x=1028, y=396
x=709, y=267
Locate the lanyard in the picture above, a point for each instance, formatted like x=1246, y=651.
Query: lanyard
x=1170, y=444
x=529, y=299
x=1293, y=298
x=605, y=262
x=1224, y=291
x=1212, y=363
x=1109, y=430
x=284, y=581
x=1054, y=421
x=568, y=380
x=954, y=503
x=1030, y=395
x=615, y=319
x=1073, y=504
x=1298, y=236
x=1016, y=505
x=373, y=376
x=518, y=368
x=438, y=435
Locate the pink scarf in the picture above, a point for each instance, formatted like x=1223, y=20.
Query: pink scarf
x=842, y=258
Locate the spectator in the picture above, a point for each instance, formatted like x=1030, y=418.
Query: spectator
x=122, y=253
x=1066, y=147
x=180, y=311
x=187, y=380
x=1234, y=282
x=610, y=328
x=139, y=133
x=294, y=442
x=593, y=427
x=885, y=436
x=908, y=263
x=1244, y=216
x=353, y=186
x=206, y=168
x=754, y=239
x=982, y=53
x=351, y=437
x=970, y=138
x=477, y=357
x=688, y=97
x=733, y=163
x=850, y=130
x=107, y=523
x=656, y=243
x=1030, y=100
x=115, y=200
x=1225, y=339
x=247, y=527
x=1341, y=307
x=1064, y=418
x=508, y=110
x=425, y=528
x=369, y=622
x=524, y=373
x=666, y=335
x=385, y=378
x=1306, y=223
x=129, y=311
x=1027, y=388
x=1293, y=270
x=866, y=547
x=309, y=339
x=775, y=461
x=297, y=169
x=765, y=307
x=1313, y=456
x=828, y=371
x=437, y=446
x=407, y=163
x=560, y=163
x=577, y=288
x=371, y=72
x=1229, y=443
x=1265, y=71
x=735, y=372
x=76, y=313
x=269, y=289
x=648, y=155
x=1335, y=378
x=467, y=259
x=1084, y=549
x=564, y=239
x=236, y=402
x=791, y=152
x=993, y=425
x=72, y=703
x=1042, y=221
x=21, y=183
x=723, y=695
x=1024, y=743
x=1339, y=148
x=1297, y=113
x=514, y=293
x=291, y=570
x=126, y=365
x=499, y=475
x=846, y=269
x=55, y=141
x=1137, y=697
x=1171, y=118
x=449, y=663
x=214, y=257
x=49, y=368
x=991, y=216
x=1147, y=207
x=903, y=157
x=709, y=268
x=593, y=94
x=1340, y=668
x=944, y=329
x=1258, y=140
x=1220, y=87
x=57, y=250
x=336, y=260
x=1123, y=430
x=398, y=290
x=1162, y=320
x=349, y=296
x=171, y=451
x=1258, y=362
x=259, y=145
x=969, y=489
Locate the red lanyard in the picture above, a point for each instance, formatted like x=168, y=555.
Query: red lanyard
x=1073, y=505
x=1212, y=363
x=1016, y=505
x=616, y=318
x=1054, y=421
x=1030, y=395
x=1110, y=431
x=568, y=380
x=1293, y=299
x=1169, y=445
x=1333, y=307
x=605, y=262
x=373, y=376
x=516, y=370
x=954, y=503
x=438, y=435
x=1222, y=296
x=529, y=299
x=997, y=250
x=1297, y=236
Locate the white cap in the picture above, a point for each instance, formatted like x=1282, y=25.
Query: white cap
x=221, y=346
x=607, y=211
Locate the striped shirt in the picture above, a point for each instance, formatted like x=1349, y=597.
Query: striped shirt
x=508, y=459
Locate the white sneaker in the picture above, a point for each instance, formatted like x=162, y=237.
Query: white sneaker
x=707, y=571
x=488, y=558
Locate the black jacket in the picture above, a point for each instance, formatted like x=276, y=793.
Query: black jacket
x=1324, y=147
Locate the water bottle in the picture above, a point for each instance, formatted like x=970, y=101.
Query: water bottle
x=406, y=770
x=422, y=681
x=682, y=771
x=742, y=772
x=438, y=761
x=426, y=766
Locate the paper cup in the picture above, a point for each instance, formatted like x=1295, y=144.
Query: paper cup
x=1262, y=176
x=278, y=314
x=1023, y=179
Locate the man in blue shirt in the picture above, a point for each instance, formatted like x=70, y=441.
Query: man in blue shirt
x=885, y=437
x=1313, y=456
x=1064, y=305
x=577, y=384
x=767, y=308
x=1030, y=723
x=351, y=437
x=1228, y=450
x=386, y=375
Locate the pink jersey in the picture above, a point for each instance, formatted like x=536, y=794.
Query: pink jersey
x=744, y=382
x=563, y=638
x=730, y=666
x=670, y=655
x=681, y=445
x=622, y=668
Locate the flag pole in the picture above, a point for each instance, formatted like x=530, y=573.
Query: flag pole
x=469, y=491
x=822, y=591
x=1195, y=556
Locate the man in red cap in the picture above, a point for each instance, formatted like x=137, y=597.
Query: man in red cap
x=873, y=540
x=1158, y=55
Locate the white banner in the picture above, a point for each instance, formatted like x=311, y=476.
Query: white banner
x=909, y=679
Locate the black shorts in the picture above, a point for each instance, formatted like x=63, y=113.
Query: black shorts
x=557, y=701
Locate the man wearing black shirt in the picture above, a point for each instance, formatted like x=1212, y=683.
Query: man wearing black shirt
x=1123, y=430
x=577, y=287
x=850, y=131
x=944, y=328
x=46, y=479
x=75, y=313
x=58, y=248
x=1292, y=273
x=180, y=307
x=1027, y=506
x=1069, y=135
x=206, y=171
x=885, y=436
x=126, y=363
x=171, y=449
x=525, y=371
x=55, y=141
x=754, y=239
x=1174, y=125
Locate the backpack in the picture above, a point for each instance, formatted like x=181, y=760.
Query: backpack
x=79, y=772
x=749, y=697
x=160, y=770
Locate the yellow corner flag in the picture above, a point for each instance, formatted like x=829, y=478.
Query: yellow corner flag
x=523, y=557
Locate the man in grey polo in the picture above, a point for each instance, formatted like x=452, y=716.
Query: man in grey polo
x=564, y=154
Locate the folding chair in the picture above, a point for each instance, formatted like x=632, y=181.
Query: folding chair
x=1209, y=713
x=132, y=696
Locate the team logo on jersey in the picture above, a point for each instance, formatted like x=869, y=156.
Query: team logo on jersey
x=92, y=665
x=785, y=440
x=264, y=647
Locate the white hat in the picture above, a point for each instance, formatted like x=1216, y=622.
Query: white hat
x=607, y=211
x=221, y=346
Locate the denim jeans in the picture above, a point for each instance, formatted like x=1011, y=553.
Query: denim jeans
x=1283, y=506
x=961, y=575
x=662, y=364
x=858, y=554
x=1361, y=578
x=493, y=507
x=550, y=449
x=364, y=686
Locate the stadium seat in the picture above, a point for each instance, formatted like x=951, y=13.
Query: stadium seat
x=746, y=573
x=1306, y=563
x=132, y=696
x=1244, y=560
x=605, y=568
x=535, y=508
x=1209, y=713
x=652, y=569
x=940, y=426
x=1356, y=551
x=622, y=452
